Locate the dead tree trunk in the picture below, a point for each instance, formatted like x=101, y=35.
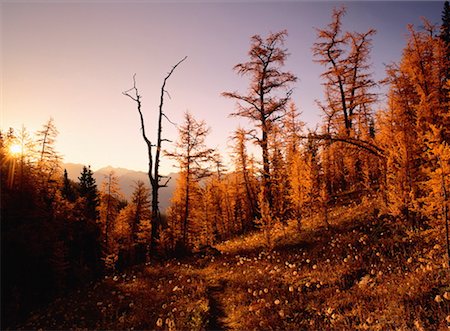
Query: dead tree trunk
x=153, y=164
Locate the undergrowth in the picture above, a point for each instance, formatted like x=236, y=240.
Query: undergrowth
x=365, y=271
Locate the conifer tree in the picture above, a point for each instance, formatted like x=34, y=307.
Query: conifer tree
x=416, y=105
x=347, y=108
x=48, y=159
x=109, y=205
x=347, y=78
x=243, y=171
x=269, y=92
x=141, y=211
x=68, y=189
x=46, y=139
x=88, y=191
x=192, y=156
x=445, y=29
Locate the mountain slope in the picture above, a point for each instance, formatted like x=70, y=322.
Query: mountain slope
x=127, y=179
x=364, y=272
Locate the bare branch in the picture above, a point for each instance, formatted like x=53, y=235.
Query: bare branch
x=175, y=124
x=368, y=146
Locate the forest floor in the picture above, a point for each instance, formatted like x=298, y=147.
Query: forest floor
x=363, y=272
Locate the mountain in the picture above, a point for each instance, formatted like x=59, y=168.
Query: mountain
x=73, y=170
x=127, y=179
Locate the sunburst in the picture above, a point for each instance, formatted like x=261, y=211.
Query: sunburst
x=15, y=149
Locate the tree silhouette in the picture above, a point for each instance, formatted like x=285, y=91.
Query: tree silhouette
x=269, y=91
x=347, y=79
x=88, y=191
x=153, y=163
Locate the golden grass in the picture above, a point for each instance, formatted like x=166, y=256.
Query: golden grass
x=363, y=273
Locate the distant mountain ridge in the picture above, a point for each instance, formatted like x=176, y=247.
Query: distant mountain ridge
x=127, y=179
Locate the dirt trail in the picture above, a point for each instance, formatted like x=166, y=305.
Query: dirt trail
x=218, y=316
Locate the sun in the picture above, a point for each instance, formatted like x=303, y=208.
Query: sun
x=15, y=149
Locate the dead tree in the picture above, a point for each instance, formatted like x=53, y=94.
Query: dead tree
x=153, y=163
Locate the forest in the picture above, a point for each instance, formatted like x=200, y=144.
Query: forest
x=342, y=227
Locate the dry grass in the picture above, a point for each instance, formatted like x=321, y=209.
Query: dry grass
x=364, y=272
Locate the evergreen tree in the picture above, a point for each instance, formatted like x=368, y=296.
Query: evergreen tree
x=88, y=191
x=68, y=188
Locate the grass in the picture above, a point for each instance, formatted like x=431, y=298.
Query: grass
x=365, y=272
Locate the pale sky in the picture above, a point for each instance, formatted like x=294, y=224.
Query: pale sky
x=71, y=60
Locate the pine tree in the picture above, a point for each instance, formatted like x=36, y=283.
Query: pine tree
x=68, y=188
x=88, y=191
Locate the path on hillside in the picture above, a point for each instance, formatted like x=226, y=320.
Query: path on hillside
x=217, y=315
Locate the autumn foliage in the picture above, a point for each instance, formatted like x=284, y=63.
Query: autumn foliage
x=345, y=226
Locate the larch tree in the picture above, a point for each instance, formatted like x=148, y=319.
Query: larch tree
x=416, y=106
x=347, y=79
x=445, y=37
x=192, y=155
x=157, y=181
x=436, y=201
x=347, y=109
x=46, y=139
x=445, y=29
x=48, y=160
x=292, y=130
x=216, y=202
x=243, y=170
x=141, y=211
x=109, y=207
x=281, y=207
x=268, y=94
x=132, y=224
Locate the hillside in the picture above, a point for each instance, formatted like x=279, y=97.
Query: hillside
x=366, y=271
x=127, y=179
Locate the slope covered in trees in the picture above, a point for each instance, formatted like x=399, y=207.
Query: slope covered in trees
x=345, y=226
x=364, y=272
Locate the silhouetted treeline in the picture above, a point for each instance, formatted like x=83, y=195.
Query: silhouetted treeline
x=50, y=238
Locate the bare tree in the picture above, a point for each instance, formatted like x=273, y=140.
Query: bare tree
x=153, y=163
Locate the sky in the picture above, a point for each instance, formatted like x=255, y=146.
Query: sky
x=71, y=61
